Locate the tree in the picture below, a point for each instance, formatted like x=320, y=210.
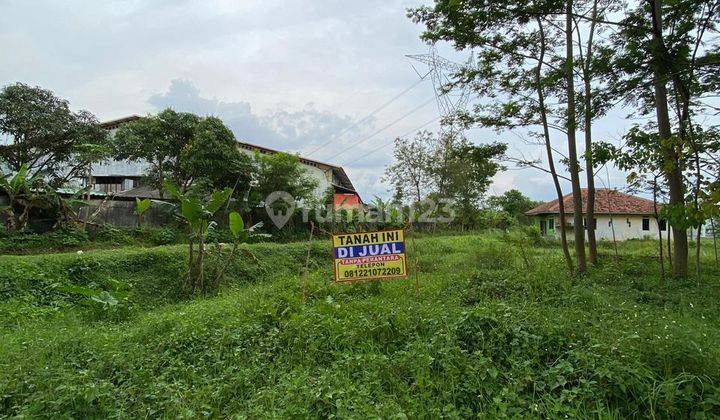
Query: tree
x=514, y=203
x=21, y=192
x=411, y=175
x=197, y=213
x=641, y=155
x=212, y=159
x=517, y=68
x=46, y=136
x=194, y=152
x=141, y=207
x=466, y=173
x=667, y=55
x=280, y=172
x=573, y=162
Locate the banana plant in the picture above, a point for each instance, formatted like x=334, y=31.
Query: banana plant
x=240, y=235
x=197, y=214
x=141, y=207
x=20, y=190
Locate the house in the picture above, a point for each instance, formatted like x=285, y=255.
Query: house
x=618, y=216
x=124, y=178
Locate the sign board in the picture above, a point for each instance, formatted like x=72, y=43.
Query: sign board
x=369, y=256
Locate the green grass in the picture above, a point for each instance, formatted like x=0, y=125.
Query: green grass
x=487, y=335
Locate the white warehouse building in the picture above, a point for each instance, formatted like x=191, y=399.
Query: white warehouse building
x=124, y=178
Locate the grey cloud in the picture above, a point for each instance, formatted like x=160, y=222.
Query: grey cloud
x=280, y=129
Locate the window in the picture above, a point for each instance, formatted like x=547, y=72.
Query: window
x=646, y=223
x=551, y=224
x=663, y=224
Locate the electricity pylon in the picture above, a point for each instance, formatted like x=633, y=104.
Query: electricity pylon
x=450, y=99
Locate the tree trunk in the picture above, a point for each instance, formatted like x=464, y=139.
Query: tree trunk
x=191, y=267
x=669, y=246
x=698, y=237
x=589, y=164
x=22, y=221
x=715, y=248
x=10, y=222
x=549, y=152
x=572, y=143
x=673, y=172
x=660, y=244
x=89, y=180
x=201, y=262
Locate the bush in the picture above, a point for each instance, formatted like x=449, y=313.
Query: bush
x=34, y=242
x=478, y=340
x=160, y=236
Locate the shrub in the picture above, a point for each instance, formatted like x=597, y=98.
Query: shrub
x=34, y=242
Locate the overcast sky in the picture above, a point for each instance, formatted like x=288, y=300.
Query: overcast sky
x=293, y=75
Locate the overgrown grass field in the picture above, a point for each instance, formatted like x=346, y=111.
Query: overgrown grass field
x=495, y=330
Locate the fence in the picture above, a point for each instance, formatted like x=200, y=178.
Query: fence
x=122, y=213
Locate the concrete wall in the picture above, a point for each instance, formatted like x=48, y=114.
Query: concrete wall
x=122, y=213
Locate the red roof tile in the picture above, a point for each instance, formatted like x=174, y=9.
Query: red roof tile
x=607, y=201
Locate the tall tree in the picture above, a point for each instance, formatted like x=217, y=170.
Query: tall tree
x=574, y=166
x=514, y=203
x=280, y=172
x=158, y=140
x=467, y=171
x=668, y=54
x=517, y=68
x=411, y=175
x=594, y=59
x=46, y=137
x=195, y=153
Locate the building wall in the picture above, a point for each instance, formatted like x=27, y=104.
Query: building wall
x=625, y=227
x=133, y=170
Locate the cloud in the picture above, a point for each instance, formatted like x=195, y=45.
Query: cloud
x=288, y=130
x=304, y=130
x=290, y=75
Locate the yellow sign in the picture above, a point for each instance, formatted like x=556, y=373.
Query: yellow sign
x=369, y=256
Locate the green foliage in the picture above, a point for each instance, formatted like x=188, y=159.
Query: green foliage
x=411, y=175
x=237, y=226
x=53, y=142
x=514, y=203
x=481, y=340
x=198, y=215
x=24, y=194
x=280, y=172
x=196, y=153
x=65, y=239
x=141, y=207
x=487, y=340
x=32, y=242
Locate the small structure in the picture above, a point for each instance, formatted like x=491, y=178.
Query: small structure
x=618, y=216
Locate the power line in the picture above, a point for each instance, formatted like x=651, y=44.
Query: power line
x=388, y=144
x=380, y=130
x=371, y=114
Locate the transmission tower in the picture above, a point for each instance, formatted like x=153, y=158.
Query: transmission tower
x=449, y=101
